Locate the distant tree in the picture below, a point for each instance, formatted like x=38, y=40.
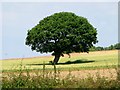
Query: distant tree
x=106, y=48
x=99, y=48
x=117, y=46
x=61, y=33
x=111, y=47
x=93, y=48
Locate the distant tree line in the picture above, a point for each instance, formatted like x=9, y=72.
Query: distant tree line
x=111, y=47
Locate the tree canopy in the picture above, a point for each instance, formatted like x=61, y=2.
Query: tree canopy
x=60, y=33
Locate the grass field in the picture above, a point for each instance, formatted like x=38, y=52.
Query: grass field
x=77, y=61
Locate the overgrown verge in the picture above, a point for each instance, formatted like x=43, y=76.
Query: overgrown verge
x=52, y=79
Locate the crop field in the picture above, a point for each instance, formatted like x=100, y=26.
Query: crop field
x=77, y=61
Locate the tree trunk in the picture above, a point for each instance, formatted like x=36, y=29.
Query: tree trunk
x=56, y=59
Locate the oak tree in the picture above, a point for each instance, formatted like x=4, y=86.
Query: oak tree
x=60, y=33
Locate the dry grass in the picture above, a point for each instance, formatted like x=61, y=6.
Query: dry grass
x=103, y=78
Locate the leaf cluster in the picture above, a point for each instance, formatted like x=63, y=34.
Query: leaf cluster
x=62, y=32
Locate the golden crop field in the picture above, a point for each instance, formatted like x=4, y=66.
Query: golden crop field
x=91, y=60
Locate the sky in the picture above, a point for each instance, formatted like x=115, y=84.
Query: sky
x=18, y=17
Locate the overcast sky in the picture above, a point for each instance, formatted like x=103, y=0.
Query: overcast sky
x=18, y=17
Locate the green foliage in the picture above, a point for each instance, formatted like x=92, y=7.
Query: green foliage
x=111, y=47
x=117, y=46
x=62, y=32
x=96, y=48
